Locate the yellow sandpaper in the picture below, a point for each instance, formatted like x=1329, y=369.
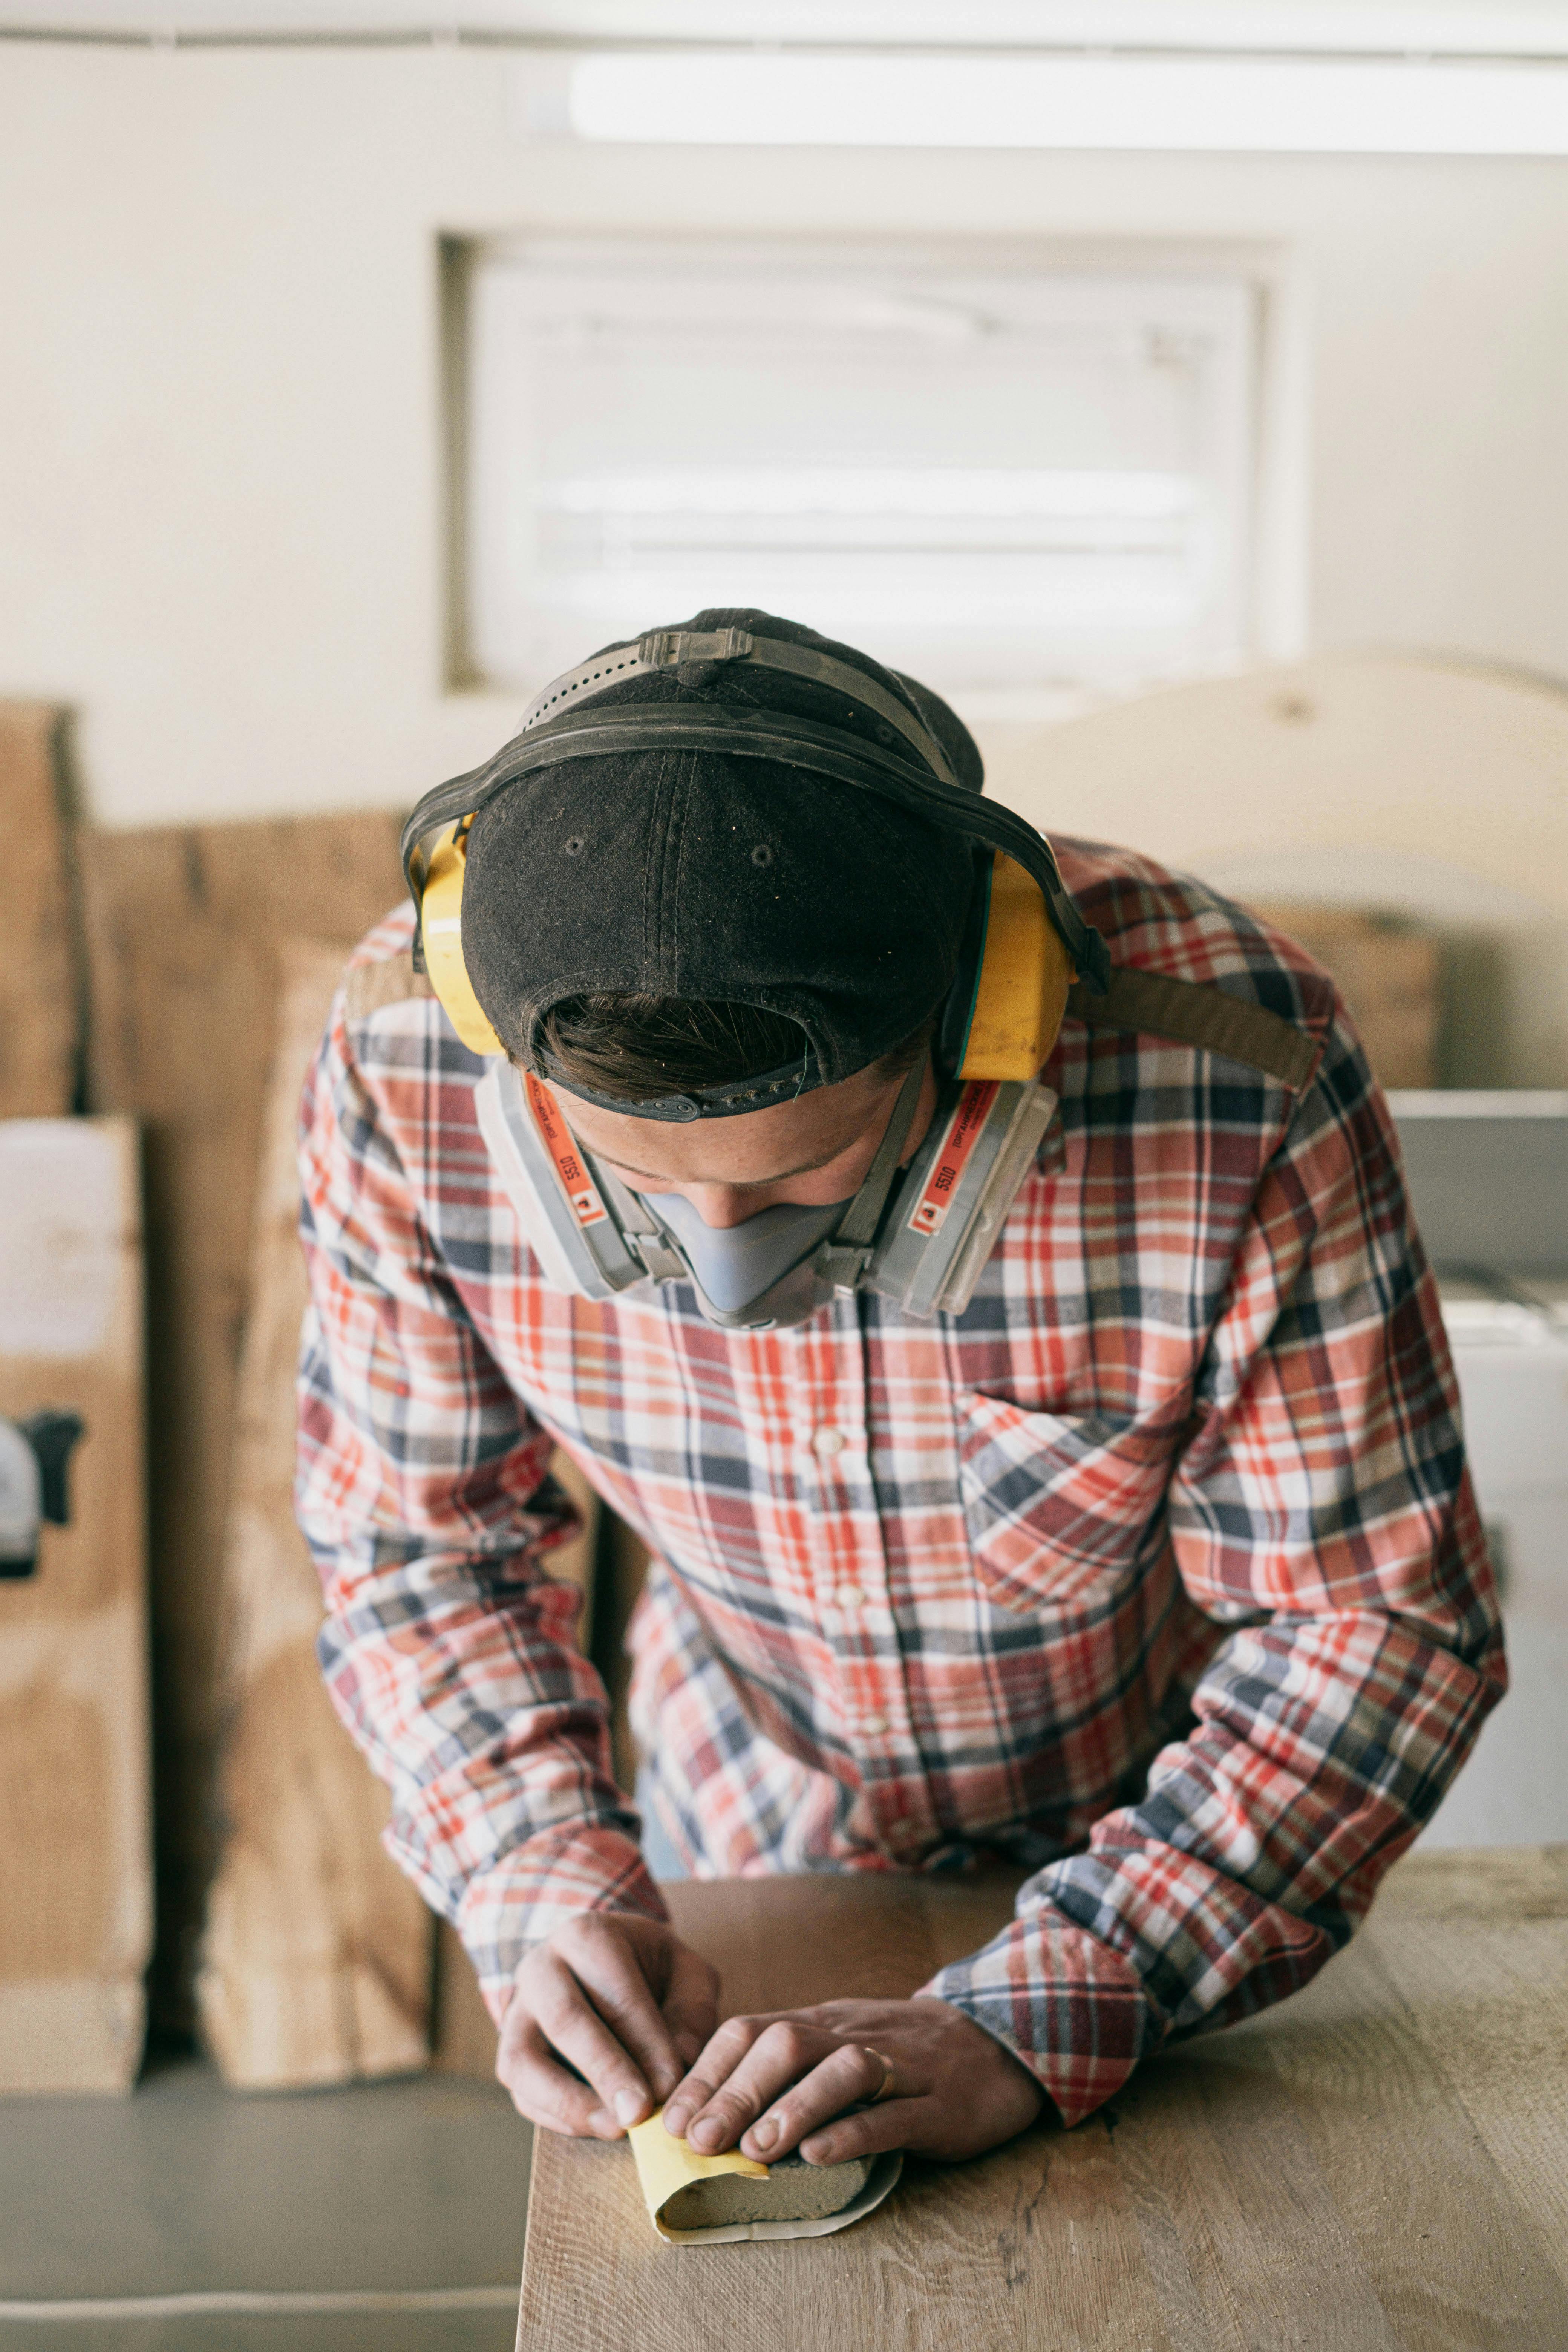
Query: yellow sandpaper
x=666, y=2164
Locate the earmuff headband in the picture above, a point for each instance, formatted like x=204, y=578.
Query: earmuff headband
x=674, y=648
x=797, y=743
x=579, y=732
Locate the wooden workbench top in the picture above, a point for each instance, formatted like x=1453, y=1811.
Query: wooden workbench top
x=1381, y=2163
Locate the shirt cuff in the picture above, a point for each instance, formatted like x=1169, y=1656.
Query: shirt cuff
x=538, y=1887
x=1071, y=2009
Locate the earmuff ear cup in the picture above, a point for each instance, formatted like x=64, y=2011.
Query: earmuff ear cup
x=441, y=929
x=1022, y=972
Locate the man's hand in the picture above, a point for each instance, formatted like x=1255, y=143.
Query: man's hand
x=771, y=2082
x=620, y=1999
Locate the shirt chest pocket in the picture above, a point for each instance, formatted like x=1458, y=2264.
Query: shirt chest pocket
x=1058, y=1507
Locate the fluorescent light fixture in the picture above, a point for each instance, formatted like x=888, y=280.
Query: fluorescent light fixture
x=1191, y=104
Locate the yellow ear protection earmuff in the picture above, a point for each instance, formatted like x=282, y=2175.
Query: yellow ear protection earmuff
x=436, y=882
x=1026, y=939
x=1006, y=1005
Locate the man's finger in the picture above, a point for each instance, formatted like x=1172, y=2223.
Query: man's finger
x=574, y=2026
x=782, y=2053
x=543, y=2090
x=896, y=2123
x=845, y=2075
x=712, y=2065
x=613, y=1981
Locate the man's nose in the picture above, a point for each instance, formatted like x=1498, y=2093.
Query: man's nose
x=722, y=1205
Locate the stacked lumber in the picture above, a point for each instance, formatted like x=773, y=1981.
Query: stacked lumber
x=184, y=926
x=316, y=1961
x=76, y=1893
x=164, y=963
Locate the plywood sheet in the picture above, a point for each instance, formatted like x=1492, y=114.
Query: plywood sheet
x=75, y=1830
x=316, y=1962
x=183, y=928
x=40, y=990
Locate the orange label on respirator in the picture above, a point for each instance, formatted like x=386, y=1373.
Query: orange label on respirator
x=973, y=1108
x=556, y=1137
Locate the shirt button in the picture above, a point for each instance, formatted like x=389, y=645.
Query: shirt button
x=828, y=1442
x=873, y=1726
x=850, y=1596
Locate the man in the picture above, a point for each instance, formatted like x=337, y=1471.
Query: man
x=1153, y=1569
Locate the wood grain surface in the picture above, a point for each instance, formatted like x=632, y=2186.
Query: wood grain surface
x=75, y=1890
x=40, y=974
x=188, y=930
x=316, y=1961
x=1380, y=2164
x=183, y=928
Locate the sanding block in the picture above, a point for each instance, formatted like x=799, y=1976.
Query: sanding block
x=695, y=2200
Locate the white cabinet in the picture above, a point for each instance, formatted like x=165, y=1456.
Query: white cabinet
x=1513, y=1365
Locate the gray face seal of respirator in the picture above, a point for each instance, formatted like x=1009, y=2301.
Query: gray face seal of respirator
x=918, y=1236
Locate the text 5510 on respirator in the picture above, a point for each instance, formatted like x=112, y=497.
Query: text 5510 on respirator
x=919, y=1234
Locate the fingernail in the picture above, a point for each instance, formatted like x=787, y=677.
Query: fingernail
x=765, y=2133
x=817, y=2151
x=707, y=2134
x=604, y=2123
x=629, y=2105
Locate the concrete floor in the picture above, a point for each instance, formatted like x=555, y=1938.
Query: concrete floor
x=413, y=2188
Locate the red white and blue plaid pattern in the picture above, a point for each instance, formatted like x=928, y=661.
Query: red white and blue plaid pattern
x=1157, y=1572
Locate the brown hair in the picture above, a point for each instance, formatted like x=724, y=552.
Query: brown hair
x=637, y=1047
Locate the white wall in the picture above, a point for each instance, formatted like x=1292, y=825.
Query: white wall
x=220, y=428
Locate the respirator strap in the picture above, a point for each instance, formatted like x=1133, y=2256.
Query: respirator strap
x=641, y=1228
x=843, y=1260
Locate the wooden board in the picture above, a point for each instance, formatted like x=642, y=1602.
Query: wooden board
x=75, y=1832
x=184, y=926
x=1377, y=2166
x=40, y=978
x=316, y=1961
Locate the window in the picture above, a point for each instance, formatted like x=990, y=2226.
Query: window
x=1004, y=479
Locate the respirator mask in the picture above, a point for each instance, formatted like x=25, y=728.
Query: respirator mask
x=917, y=1235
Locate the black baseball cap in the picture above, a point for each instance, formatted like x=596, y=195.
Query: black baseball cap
x=704, y=874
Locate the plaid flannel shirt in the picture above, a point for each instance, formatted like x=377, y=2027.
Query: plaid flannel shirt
x=1157, y=1572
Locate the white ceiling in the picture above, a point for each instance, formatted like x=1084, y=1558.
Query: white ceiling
x=1498, y=28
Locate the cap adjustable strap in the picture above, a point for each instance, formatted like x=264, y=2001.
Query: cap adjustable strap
x=663, y=650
